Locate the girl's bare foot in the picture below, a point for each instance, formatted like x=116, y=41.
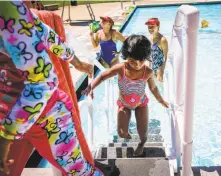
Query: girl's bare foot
x=139, y=149
x=125, y=135
x=128, y=136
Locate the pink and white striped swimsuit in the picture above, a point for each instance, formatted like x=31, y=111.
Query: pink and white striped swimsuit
x=132, y=92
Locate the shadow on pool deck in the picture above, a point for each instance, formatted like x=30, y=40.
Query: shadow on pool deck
x=206, y=171
x=80, y=23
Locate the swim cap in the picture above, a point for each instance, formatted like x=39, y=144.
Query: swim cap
x=107, y=18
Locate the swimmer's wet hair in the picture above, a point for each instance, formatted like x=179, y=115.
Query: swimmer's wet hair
x=138, y=47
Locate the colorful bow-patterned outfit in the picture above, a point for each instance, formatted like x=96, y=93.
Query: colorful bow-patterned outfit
x=26, y=40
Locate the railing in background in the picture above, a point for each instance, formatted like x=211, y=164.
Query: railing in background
x=110, y=100
x=110, y=108
x=182, y=110
x=122, y=5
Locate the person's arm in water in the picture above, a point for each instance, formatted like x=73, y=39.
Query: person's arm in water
x=164, y=46
x=119, y=36
x=153, y=88
x=102, y=77
x=82, y=66
x=95, y=39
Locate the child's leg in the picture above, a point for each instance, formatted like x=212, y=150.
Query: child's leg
x=123, y=120
x=141, y=114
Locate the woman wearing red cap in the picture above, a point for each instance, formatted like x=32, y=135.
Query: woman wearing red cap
x=107, y=38
x=159, y=48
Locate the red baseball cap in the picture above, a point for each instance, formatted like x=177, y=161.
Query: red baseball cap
x=153, y=21
x=107, y=18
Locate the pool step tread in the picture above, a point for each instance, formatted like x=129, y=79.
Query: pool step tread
x=127, y=152
x=37, y=172
x=131, y=144
x=135, y=138
x=137, y=166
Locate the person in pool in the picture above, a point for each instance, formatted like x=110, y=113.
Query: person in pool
x=107, y=38
x=133, y=75
x=159, y=48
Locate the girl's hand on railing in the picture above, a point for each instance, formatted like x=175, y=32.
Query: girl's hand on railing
x=88, y=91
x=164, y=104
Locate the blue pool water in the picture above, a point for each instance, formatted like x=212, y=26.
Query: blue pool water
x=207, y=123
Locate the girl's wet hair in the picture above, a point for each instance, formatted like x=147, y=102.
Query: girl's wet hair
x=137, y=47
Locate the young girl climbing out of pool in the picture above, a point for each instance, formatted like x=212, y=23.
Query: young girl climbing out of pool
x=132, y=78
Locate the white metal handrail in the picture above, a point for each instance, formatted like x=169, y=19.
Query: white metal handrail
x=176, y=87
x=88, y=104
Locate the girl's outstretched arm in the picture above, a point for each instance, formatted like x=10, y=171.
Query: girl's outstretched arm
x=102, y=77
x=153, y=88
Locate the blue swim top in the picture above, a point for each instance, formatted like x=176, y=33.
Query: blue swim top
x=157, y=57
x=108, y=47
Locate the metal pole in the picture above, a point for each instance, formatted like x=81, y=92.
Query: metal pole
x=107, y=91
x=192, y=23
x=189, y=102
x=69, y=13
x=90, y=126
x=90, y=112
x=62, y=13
x=178, y=66
x=133, y=2
x=121, y=2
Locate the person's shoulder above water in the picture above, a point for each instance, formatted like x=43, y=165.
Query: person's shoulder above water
x=163, y=39
x=164, y=45
x=118, y=36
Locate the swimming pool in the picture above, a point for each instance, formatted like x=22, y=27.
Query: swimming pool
x=207, y=123
x=207, y=126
